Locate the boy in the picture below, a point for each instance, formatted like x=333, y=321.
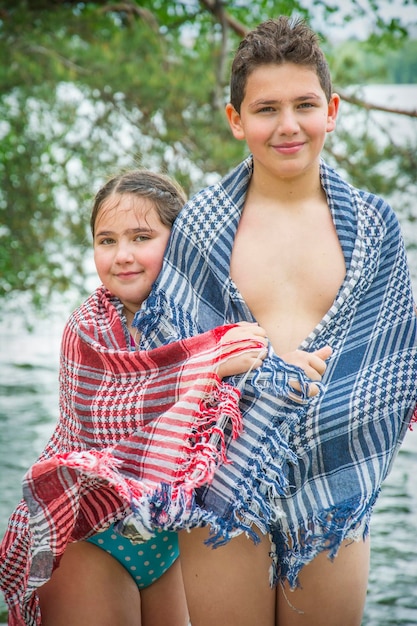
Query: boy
x=283, y=240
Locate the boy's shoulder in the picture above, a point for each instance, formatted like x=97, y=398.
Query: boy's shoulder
x=231, y=187
x=343, y=195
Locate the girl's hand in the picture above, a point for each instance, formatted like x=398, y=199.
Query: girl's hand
x=245, y=335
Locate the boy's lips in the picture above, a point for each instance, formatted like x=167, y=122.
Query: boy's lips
x=289, y=147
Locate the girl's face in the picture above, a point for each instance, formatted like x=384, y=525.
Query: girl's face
x=129, y=244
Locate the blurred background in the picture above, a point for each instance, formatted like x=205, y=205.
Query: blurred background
x=88, y=88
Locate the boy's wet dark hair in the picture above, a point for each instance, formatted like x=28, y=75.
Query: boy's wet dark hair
x=283, y=40
x=167, y=196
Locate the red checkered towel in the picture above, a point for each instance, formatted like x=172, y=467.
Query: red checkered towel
x=134, y=438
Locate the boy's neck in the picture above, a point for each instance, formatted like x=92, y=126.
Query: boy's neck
x=289, y=190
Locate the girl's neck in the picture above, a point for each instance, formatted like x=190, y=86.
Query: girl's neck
x=130, y=315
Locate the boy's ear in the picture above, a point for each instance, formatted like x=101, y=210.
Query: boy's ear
x=332, y=111
x=235, y=122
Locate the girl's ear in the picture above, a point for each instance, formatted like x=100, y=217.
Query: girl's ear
x=235, y=122
x=332, y=111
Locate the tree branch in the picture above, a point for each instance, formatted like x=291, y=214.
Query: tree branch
x=241, y=31
x=218, y=8
x=235, y=25
x=35, y=48
x=131, y=9
x=376, y=107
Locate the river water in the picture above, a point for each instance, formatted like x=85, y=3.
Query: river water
x=29, y=409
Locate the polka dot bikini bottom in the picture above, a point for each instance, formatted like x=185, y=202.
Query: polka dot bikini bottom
x=145, y=562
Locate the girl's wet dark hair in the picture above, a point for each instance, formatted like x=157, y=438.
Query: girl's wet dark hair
x=283, y=40
x=167, y=196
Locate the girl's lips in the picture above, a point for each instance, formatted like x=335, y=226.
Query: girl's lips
x=127, y=275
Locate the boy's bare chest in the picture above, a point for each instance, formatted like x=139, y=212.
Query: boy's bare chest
x=289, y=273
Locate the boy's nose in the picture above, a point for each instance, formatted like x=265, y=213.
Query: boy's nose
x=287, y=123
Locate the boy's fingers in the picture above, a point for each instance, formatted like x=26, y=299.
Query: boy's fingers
x=313, y=389
x=323, y=353
x=318, y=360
x=317, y=368
x=314, y=371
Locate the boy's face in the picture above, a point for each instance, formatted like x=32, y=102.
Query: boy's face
x=284, y=118
x=129, y=245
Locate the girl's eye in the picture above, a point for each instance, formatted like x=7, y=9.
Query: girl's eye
x=106, y=242
x=142, y=238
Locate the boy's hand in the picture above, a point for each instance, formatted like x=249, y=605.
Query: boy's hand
x=244, y=335
x=247, y=334
x=313, y=364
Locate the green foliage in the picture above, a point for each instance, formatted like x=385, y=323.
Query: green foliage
x=402, y=63
x=356, y=63
x=90, y=87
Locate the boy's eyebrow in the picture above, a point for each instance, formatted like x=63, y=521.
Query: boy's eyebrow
x=307, y=96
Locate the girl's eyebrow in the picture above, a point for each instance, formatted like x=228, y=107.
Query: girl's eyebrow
x=129, y=231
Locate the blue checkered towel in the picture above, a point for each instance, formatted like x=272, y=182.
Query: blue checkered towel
x=308, y=473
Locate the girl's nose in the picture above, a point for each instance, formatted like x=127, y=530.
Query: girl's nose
x=124, y=253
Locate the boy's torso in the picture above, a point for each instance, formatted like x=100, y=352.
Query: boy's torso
x=288, y=264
